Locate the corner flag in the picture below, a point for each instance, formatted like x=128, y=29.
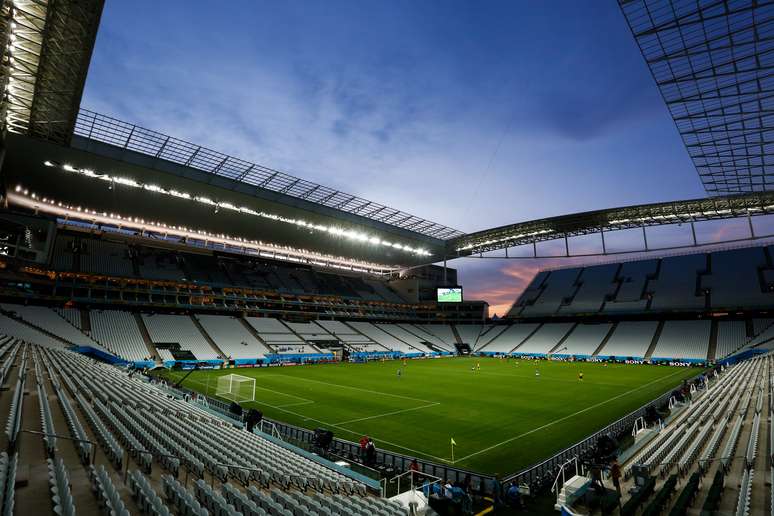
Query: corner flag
x=454, y=443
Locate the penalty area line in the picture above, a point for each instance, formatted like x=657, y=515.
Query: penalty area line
x=394, y=412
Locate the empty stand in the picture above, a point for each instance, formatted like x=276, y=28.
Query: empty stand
x=232, y=337
x=545, y=339
x=557, y=289
x=632, y=277
x=509, y=338
x=735, y=281
x=584, y=339
x=675, y=288
x=630, y=339
x=595, y=285
x=180, y=329
x=118, y=330
x=683, y=339
x=732, y=335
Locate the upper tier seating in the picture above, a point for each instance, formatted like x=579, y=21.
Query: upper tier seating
x=558, y=287
x=683, y=339
x=633, y=277
x=726, y=280
x=675, y=286
x=596, y=283
x=159, y=265
x=630, y=339
x=735, y=279
x=104, y=257
x=164, y=328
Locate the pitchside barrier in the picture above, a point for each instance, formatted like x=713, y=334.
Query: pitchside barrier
x=536, y=475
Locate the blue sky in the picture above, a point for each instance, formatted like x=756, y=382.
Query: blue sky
x=473, y=114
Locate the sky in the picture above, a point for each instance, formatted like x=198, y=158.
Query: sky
x=471, y=114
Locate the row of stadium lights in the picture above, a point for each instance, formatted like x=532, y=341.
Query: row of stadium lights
x=264, y=248
x=332, y=230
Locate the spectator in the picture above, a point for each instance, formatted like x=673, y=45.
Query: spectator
x=363, y=444
x=370, y=453
x=512, y=496
x=414, y=466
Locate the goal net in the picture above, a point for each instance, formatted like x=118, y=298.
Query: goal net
x=236, y=387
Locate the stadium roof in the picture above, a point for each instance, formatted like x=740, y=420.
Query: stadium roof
x=713, y=61
x=95, y=126
x=614, y=219
x=45, y=50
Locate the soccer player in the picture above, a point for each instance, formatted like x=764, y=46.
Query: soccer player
x=580, y=376
x=478, y=366
x=399, y=373
x=537, y=373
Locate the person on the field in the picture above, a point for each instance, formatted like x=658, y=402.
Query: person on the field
x=478, y=366
x=537, y=373
x=399, y=373
x=580, y=376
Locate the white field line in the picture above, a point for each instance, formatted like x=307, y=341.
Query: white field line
x=388, y=413
x=425, y=454
x=564, y=418
x=347, y=430
x=295, y=404
x=305, y=400
x=380, y=393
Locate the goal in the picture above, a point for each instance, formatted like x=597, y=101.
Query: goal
x=236, y=387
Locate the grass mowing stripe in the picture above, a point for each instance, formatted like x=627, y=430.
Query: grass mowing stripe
x=338, y=426
x=434, y=400
x=564, y=418
x=354, y=388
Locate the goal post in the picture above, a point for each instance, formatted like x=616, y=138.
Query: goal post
x=236, y=387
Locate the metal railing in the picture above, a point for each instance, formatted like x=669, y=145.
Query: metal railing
x=105, y=129
x=543, y=471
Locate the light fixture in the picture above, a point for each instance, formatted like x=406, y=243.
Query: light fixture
x=349, y=234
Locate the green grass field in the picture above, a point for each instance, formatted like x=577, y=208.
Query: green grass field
x=502, y=417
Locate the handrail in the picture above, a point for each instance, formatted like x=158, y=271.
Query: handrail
x=67, y=438
x=562, y=473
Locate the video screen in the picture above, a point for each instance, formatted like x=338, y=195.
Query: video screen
x=449, y=294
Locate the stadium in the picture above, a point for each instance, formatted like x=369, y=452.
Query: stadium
x=184, y=331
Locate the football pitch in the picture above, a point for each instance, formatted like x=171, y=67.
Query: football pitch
x=503, y=417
